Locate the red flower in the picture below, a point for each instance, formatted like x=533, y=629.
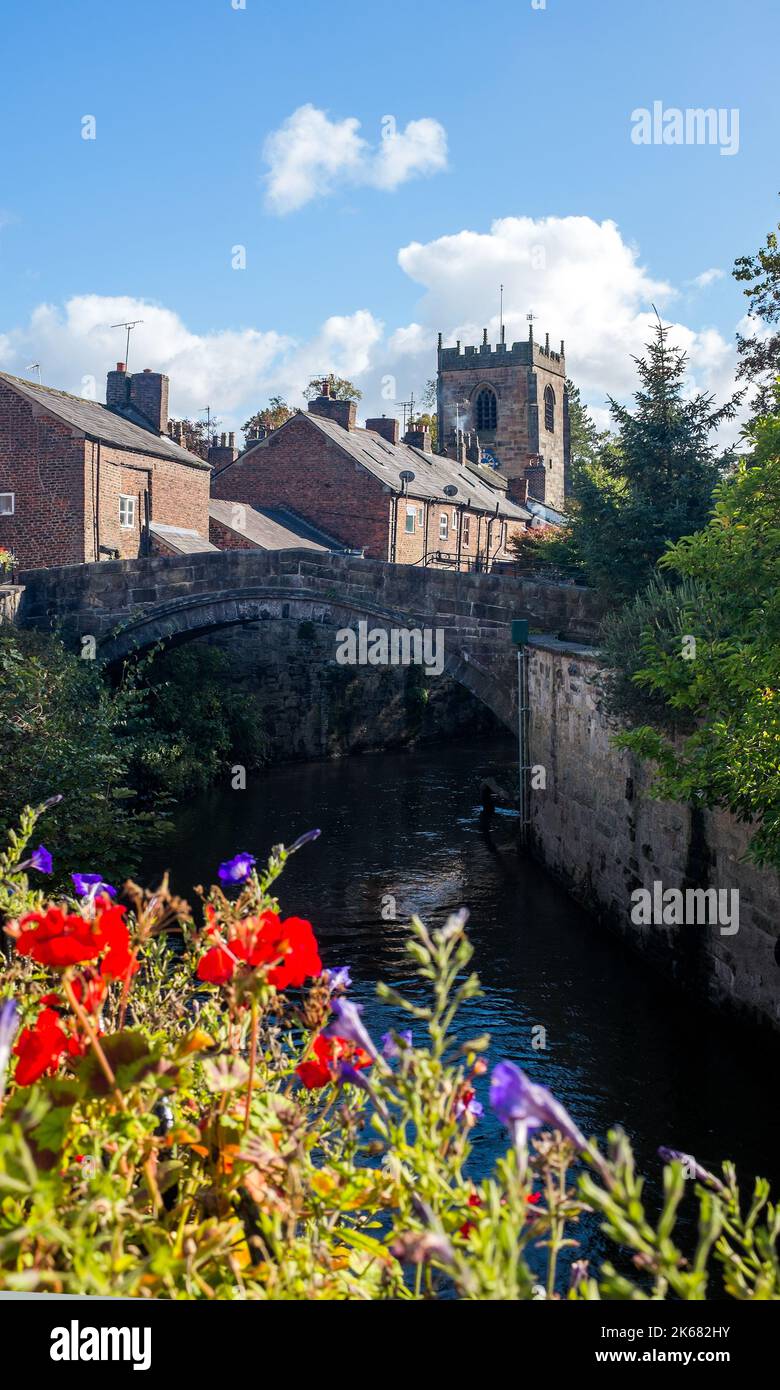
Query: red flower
x=57, y=938
x=112, y=930
x=322, y=1068
x=39, y=1048
x=264, y=940
x=216, y=967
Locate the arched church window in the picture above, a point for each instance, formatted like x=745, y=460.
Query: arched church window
x=487, y=409
x=549, y=409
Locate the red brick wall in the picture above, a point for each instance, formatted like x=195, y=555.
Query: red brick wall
x=302, y=469
x=42, y=463
x=225, y=539
x=57, y=477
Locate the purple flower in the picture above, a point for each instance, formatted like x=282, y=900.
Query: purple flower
x=9, y=1022
x=91, y=885
x=304, y=839
x=346, y=1024
x=40, y=859
x=390, y=1047
x=238, y=869
x=521, y=1105
x=338, y=979
x=691, y=1168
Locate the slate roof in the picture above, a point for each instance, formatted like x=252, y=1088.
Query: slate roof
x=96, y=421
x=261, y=526
x=385, y=461
x=180, y=539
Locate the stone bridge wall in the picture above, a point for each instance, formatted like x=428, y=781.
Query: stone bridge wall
x=129, y=605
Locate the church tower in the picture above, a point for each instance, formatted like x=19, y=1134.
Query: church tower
x=514, y=399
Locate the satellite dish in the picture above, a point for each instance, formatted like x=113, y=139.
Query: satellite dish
x=450, y=490
x=407, y=476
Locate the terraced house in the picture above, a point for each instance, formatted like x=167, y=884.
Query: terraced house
x=391, y=498
x=83, y=481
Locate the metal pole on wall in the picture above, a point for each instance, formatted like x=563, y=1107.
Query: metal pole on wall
x=520, y=639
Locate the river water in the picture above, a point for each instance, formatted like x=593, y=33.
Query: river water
x=621, y=1045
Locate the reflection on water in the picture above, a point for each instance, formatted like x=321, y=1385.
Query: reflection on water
x=622, y=1047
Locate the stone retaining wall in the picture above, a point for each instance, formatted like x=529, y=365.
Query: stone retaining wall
x=597, y=828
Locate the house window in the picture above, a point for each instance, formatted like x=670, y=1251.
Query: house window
x=7, y=503
x=454, y=520
x=419, y=516
x=503, y=535
x=411, y=512
x=126, y=511
x=487, y=409
x=443, y=526
x=549, y=409
x=467, y=530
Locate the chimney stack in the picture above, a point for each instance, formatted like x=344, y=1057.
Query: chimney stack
x=387, y=426
x=418, y=437
x=117, y=387
x=342, y=413
x=224, y=452
x=149, y=396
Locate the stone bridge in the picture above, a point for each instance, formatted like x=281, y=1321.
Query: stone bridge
x=118, y=608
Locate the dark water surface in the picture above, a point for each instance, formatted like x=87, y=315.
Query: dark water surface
x=622, y=1046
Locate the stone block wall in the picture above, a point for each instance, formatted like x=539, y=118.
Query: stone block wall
x=599, y=830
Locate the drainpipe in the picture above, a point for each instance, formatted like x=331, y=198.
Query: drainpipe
x=520, y=639
x=97, y=506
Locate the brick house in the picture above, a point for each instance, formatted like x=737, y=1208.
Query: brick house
x=393, y=499
x=83, y=481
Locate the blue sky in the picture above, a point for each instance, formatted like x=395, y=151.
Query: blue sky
x=534, y=106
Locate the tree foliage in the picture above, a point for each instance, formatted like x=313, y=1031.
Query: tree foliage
x=759, y=353
x=341, y=389
x=269, y=418
x=730, y=684
x=648, y=483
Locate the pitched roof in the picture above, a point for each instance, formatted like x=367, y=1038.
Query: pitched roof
x=386, y=461
x=180, y=539
x=262, y=527
x=95, y=420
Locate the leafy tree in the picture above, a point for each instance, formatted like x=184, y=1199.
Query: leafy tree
x=650, y=482
x=728, y=681
x=65, y=731
x=340, y=388
x=587, y=440
x=270, y=418
x=759, y=354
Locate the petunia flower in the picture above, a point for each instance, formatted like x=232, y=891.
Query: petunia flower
x=305, y=839
x=90, y=885
x=237, y=869
x=9, y=1022
x=522, y=1104
x=338, y=979
x=346, y=1023
x=41, y=860
x=391, y=1048
x=691, y=1167
x=469, y=1105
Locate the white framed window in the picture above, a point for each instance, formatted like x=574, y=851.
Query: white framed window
x=454, y=519
x=467, y=530
x=444, y=526
x=419, y=516
x=503, y=535
x=126, y=511
x=411, y=513
x=7, y=503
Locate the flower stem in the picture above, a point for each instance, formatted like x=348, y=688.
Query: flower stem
x=252, y=1064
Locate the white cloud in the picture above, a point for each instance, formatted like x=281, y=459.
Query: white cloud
x=582, y=281
x=233, y=371
x=580, y=278
x=707, y=278
x=310, y=155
